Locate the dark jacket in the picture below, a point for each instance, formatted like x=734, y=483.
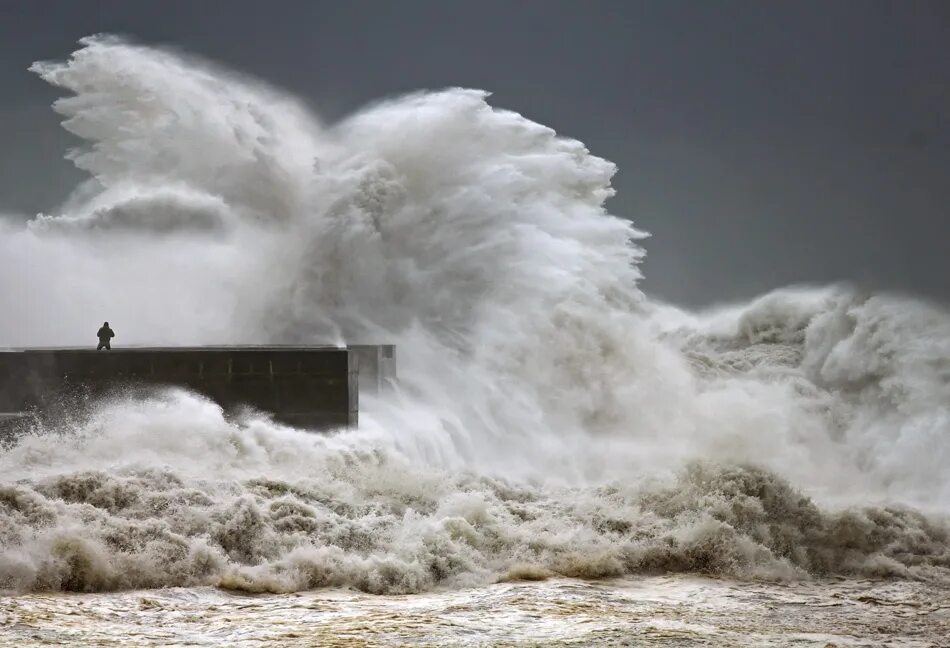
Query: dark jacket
x=105, y=333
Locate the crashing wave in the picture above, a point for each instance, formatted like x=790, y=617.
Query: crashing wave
x=546, y=406
x=260, y=508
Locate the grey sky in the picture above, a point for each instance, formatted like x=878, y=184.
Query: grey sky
x=761, y=143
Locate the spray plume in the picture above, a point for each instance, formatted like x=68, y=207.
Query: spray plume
x=550, y=418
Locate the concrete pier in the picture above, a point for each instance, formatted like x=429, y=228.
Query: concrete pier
x=309, y=387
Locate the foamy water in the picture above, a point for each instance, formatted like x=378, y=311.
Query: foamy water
x=678, y=611
x=551, y=421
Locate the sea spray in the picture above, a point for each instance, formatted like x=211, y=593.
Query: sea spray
x=549, y=417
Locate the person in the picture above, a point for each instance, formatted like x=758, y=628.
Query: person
x=105, y=335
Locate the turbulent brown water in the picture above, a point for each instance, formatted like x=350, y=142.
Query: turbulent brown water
x=564, y=460
x=656, y=611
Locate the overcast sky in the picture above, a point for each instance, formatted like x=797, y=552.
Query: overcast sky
x=761, y=143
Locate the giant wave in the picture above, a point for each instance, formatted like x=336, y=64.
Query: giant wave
x=551, y=419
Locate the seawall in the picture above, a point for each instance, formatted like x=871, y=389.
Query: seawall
x=310, y=387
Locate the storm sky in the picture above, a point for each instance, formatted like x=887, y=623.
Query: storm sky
x=761, y=143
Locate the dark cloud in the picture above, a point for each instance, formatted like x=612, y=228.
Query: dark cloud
x=761, y=143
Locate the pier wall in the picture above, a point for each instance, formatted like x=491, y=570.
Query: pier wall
x=310, y=387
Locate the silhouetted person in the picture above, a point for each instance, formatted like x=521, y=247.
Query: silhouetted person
x=105, y=335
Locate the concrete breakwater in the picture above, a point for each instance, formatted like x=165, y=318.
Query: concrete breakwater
x=313, y=387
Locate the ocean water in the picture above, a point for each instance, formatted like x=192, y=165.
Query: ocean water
x=565, y=460
x=652, y=611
